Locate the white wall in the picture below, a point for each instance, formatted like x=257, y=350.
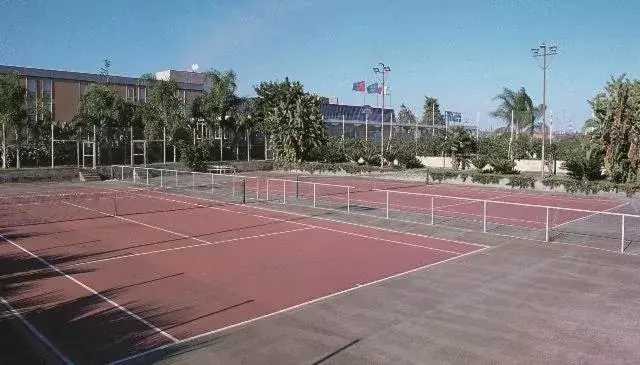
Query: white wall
x=521, y=165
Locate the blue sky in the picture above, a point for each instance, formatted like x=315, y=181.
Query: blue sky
x=462, y=52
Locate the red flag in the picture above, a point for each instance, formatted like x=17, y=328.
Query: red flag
x=359, y=86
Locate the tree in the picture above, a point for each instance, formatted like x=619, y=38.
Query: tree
x=103, y=108
x=520, y=104
x=406, y=116
x=615, y=128
x=165, y=111
x=432, y=114
x=220, y=99
x=12, y=112
x=460, y=144
x=291, y=117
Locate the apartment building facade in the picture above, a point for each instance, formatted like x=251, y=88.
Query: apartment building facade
x=59, y=92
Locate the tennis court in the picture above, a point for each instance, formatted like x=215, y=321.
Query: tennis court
x=107, y=273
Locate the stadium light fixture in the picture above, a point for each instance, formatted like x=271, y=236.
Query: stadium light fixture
x=544, y=51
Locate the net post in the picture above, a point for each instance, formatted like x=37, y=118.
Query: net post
x=622, y=239
x=314, y=195
x=484, y=216
x=122, y=173
x=546, y=230
x=297, y=186
x=348, y=199
x=284, y=191
x=161, y=170
x=432, y=213
x=244, y=191
x=387, y=204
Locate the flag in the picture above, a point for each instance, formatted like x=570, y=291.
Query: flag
x=455, y=117
x=372, y=88
x=358, y=86
x=386, y=90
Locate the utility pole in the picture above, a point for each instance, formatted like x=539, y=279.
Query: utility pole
x=383, y=69
x=544, y=51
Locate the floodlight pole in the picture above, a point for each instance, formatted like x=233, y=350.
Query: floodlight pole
x=547, y=50
x=382, y=70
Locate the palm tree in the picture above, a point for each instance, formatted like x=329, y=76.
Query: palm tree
x=615, y=127
x=520, y=106
x=460, y=144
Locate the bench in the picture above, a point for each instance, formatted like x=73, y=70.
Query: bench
x=221, y=169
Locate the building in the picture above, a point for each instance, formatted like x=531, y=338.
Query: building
x=60, y=91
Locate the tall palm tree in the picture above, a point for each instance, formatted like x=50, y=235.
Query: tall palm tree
x=519, y=104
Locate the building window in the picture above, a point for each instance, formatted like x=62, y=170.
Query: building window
x=131, y=93
x=32, y=92
x=83, y=87
x=142, y=93
x=47, y=98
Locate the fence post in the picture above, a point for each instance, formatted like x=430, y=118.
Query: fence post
x=484, y=216
x=147, y=176
x=193, y=181
x=297, y=186
x=161, y=170
x=134, y=175
x=432, y=213
x=267, y=189
x=314, y=195
x=212, y=182
x=284, y=191
x=387, y=204
x=122, y=173
x=348, y=199
x=622, y=240
x=233, y=186
x=111, y=172
x=257, y=189
x=176, y=179
x=546, y=230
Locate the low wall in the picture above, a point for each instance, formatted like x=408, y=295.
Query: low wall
x=39, y=174
x=521, y=165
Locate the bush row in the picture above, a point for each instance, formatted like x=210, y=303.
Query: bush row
x=319, y=167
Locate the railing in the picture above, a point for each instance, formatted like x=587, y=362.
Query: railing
x=603, y=229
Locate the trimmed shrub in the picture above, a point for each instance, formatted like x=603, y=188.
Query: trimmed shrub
x=195, y=157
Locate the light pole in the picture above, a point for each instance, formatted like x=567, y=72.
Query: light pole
x=383, y=69
x=543, y=51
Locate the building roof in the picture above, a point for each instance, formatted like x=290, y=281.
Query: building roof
x=355, y=113
x=80, y=76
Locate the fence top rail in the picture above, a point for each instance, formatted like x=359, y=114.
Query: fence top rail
x=604, y=212
x=310, y=183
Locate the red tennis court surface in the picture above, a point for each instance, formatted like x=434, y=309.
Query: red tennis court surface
x=170, y=268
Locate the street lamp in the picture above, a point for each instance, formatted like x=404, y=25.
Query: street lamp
x=544, y=50
x=383, y=69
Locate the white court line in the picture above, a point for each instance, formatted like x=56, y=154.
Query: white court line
x=303, y=224
x=35, y=331
x=342, y=292
x=89, y=289
x=590, y=215
x=120, y=257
